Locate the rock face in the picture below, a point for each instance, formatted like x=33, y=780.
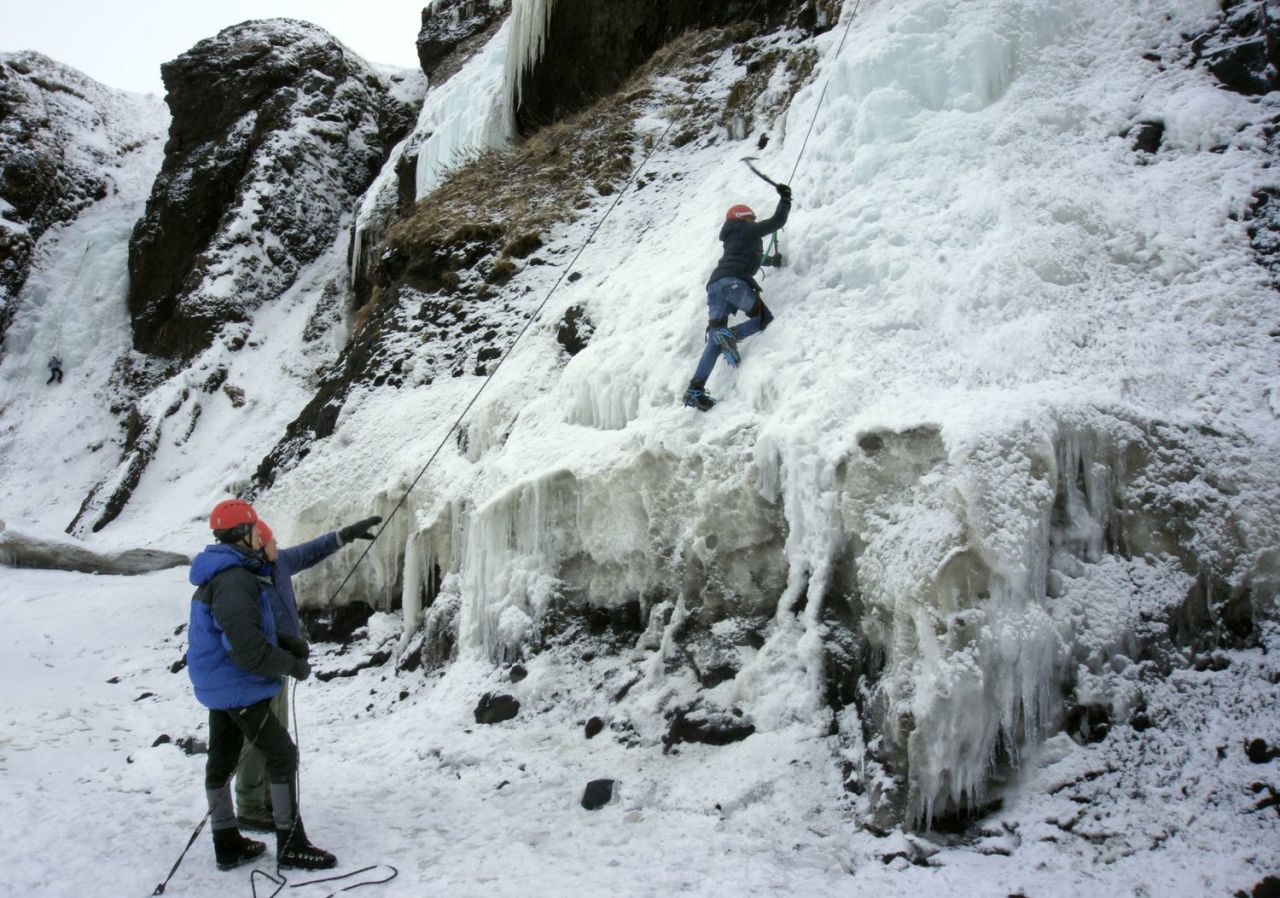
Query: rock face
x=1243, y=52
x=61, y=137
x=277, y=131
x=447, y=24
x=592, y=46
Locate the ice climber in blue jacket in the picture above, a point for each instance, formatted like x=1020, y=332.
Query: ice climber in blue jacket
x=243, y=642
x=732, y=287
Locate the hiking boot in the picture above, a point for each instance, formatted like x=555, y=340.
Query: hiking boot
x=293, y=849
x=728, y=344
x=258, y=823
x=230, y=849
x=696, y=397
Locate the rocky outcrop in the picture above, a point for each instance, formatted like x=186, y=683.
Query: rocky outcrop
x=277, y=131
x=1243, y=51
x=448, y=25
x=20, y=550
x=62, y=135
x=592, y=46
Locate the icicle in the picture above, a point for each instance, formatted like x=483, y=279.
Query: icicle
x=411, y=597
x=529, y=20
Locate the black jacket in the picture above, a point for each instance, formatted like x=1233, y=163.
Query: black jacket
x=744, y=244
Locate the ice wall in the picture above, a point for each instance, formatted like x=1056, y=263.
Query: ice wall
x=465, y=116
x=979, y=441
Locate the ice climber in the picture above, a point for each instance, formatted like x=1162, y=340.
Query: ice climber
x=253, y=793
x=731, y=287
x=55, y=370
x=237, y=657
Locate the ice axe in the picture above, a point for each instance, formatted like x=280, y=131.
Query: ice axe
x=759, y=174
x=772, y=256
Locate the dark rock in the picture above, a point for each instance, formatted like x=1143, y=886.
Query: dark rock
x=179, y=665
x=1243, y=51
x=496, y=708
x=377, y=659
x=190, y=745
x=276, y=119
x=597, y=794
x=592, y=46
x=162, y=739
x=517, y=673
x=1146, y=136
x=594, y=726
x=1259, y=752
x=706, y=727
x=337, y=624
x=17, y=550
x=1088, y=723
x=1269, y=887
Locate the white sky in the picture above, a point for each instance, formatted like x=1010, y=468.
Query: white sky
x=123, y=44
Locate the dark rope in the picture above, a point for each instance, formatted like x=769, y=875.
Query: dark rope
x=178, y=863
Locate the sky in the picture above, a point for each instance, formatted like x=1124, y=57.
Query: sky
x=122, y=45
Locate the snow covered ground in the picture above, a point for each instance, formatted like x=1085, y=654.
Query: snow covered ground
x=983, y=279
x=396, y=771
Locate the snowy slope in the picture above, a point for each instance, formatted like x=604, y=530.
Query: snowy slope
x=1013, y=413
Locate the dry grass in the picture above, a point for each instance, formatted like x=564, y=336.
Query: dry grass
x=502, y=202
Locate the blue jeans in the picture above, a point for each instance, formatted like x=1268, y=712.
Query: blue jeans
x=723, y=298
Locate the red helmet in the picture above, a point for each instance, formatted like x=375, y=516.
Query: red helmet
x=740, y=211
x=232, y=513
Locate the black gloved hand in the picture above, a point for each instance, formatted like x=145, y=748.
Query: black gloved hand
x=784, y=191
x=295, y=646
x=359, y=530
x=301, y=669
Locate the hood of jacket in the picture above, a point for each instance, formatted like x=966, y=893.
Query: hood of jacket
x=215, y=559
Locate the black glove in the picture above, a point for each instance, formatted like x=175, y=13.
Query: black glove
x=784, y=191
x=300, y=670
x=294, y=645
x=359, y=530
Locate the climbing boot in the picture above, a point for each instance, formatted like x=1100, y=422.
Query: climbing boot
x=724, y=338
x=696, y=397
x=230, y=849
x=293, y=849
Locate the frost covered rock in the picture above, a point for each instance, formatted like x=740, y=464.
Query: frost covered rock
x=496, y=708
x=63, y=137
x=448, y=23
x=277, y=131
x=1243, y=48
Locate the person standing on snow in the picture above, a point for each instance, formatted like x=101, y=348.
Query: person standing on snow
x=253, y=793
x=236, y=658
x=55, y=370
x=732, y=286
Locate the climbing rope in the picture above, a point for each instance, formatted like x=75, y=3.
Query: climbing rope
x=805, y=143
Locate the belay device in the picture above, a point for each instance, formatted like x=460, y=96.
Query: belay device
x=772, y=255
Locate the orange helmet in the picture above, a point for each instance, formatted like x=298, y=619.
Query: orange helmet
x=232, y=513
x=740, y=211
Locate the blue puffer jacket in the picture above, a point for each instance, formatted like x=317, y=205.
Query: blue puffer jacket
x=232, y=656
